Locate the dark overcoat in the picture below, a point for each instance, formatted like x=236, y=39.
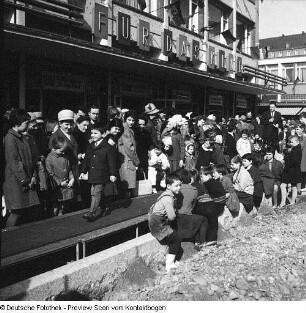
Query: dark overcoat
x=292, y=170
x=100, y=162
x=19, y=170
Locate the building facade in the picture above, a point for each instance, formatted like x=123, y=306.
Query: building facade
x=192, y=55
x=285, y=56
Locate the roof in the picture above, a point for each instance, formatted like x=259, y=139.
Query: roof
x=279, y=43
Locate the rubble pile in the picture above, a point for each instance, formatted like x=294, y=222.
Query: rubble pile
x=264, y=260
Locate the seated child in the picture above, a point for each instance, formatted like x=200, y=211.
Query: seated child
x=101, y=165
x=232, y=201
x=211, y=209
x=162, y=221
x=292, y=170
x=247, y=161
x=189, y=225
x=59, y=168
x=158, y=163
x=271, y=172
x=243, y=184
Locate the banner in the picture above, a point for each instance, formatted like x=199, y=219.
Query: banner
x=175, y=14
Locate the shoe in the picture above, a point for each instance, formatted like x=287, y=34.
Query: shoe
x=198, y=246
x=106, y=211
x=90, y=217
x=210, y=243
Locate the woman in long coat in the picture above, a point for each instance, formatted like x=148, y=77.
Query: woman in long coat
x=20, y=179
x=129, y=159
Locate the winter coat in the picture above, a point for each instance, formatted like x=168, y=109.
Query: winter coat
x=19, y=170
x=272, y=177
x=128, y=158
x=59, y=168
x=71, y=152
x=100, y=163
x=292, y=170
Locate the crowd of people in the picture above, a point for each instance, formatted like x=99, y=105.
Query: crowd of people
x=201, y=164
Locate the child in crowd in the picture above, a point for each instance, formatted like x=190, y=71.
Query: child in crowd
x=232, y=201
x=292, y=170
x=205, y=154
x=190, y=160
x=162, y=221
x=100, y=164
x=176, y=156
x=243, y=184
x=247, y=161
x=59, y=169
x=158, y=164
x=211, y=209
x=271, y=172
x=244, y=144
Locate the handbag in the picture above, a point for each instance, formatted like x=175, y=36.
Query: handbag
x=143, y=187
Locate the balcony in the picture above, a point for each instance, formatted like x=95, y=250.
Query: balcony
x=301, y=98
x=54, y=10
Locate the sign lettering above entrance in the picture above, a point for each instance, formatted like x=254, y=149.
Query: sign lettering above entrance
x=143, y=35
x=100, y=21
x=215, y=100
x=124, y=28
x=59, y=81
x=166, y=41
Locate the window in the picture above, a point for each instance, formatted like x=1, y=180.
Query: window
x=272, y=69
x=296, y=52
x=288, y=72
x=289, y=53
x=215, y=15
x=301, y=71
x=280, y=54
x=272, y=54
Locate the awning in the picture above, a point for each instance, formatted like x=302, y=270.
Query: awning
x=290, y=110
x=34, y=42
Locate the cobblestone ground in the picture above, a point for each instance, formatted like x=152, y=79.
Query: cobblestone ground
x=262, y=258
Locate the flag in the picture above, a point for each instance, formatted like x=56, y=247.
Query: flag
x=297, y=80
x=255, y=52
x=142, y=4
x=228, y=35
x=239, y=45
x=174, y=11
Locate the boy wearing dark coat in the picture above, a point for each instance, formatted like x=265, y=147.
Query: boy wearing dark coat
x=271, y=172
x=100, y=164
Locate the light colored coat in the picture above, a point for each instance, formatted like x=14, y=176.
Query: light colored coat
x=156, y=162
x=128, y=158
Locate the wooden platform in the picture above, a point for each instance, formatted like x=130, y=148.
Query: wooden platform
x=33, y=240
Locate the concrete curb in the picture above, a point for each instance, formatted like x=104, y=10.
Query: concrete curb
x=99, y=269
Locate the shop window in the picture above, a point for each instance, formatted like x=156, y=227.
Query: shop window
x=288, y=72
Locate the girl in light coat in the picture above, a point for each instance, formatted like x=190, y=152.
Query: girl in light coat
x=244, y=144
x=158, y=162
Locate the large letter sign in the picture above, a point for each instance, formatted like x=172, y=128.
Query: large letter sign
x=124, y=28
x=144, y=35
x=166, y=42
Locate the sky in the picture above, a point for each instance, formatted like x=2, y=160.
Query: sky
x=277, y=17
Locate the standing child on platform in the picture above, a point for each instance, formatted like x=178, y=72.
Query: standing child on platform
x=158, y=164
x=100, y=164
x=162, y=220
x=59, y=168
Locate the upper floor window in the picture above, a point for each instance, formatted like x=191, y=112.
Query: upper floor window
x=289, y=53
x=288, y=72
x=296, y=52
x=280, y=54
x=301, y=71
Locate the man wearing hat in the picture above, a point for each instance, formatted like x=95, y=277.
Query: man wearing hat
x=65, y=119
x=152, y=124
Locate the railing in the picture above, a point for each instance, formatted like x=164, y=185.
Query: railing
x=293, y=98
x=51, y=9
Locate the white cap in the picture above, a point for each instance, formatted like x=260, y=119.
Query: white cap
x=39, y=117
x=33, y=116
x=65, y=115
x=211, y=117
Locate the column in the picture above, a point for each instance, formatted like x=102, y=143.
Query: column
x=22, y=81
